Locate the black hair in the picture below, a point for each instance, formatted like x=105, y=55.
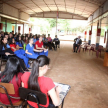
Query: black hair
x=12, y=68
x=17, y=40
x=4, y=45
x=11, y=41
x=33, y=79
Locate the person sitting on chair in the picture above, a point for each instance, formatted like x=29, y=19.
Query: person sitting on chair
x=6, y=51
x=19, y=52
x=35, y=80
x=57, y=41
x=50, y=42
x=77, y=43
x=12, y=75
x=39, y=46
x=30, y=51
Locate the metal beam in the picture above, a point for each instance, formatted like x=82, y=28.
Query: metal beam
x=65, y=5
x=47, y=5
x=36, y=5
x=75, y=6
x=60, y=12
x=25, y=5
x=56, y=6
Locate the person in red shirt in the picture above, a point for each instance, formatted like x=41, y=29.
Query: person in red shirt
x=39, y=46
x=19, y=52
x=35, y=80
x=11, y=74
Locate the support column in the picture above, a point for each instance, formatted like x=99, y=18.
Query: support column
x=29, y=30
x=107, y=40
x=16, y=27
x=23, y=28
x=1, y=27
x=56, y=26
x=89, y=41
x=85, y=36
x=19, y=29
x=98, y=37
x=0, y=19
x=5, y=25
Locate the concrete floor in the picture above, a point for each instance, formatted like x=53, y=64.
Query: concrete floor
x=85, y=74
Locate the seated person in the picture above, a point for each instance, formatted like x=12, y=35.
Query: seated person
x=50, y=42
x=19, y=52
x=34, y=39
x=77, y=43
x=30, y=51
x=6, y=51
x=57, y=41
x=45, y=41
x=35, y=80
x=39, y=46
x=19, y=42
x=11, y=74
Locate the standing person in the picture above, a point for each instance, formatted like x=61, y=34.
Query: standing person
x=77, y=43
x=57, y=41
x=50, y=42
x=39, y=46
x=30, y=51
x=19, y=52
x=35, y=80
x=12, y=75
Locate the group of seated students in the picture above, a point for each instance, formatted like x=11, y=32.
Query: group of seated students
x=16, y=71
x=34, y=80
x=26, y=47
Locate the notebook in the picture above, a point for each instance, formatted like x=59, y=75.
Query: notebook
x=63, y=93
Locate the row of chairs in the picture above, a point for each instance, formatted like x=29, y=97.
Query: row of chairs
x=25, y=94
x=92, y=48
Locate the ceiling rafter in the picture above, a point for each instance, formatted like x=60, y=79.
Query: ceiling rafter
x=65, y=5
x=75, y=6
x=25, y=6
x=85, y=7
x=56, y=6
x=93, y=3
x=13, y=6
x=60, y=12
x=47, y=5
x=36, y=5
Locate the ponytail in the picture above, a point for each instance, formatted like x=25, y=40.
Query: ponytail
x=33, y=79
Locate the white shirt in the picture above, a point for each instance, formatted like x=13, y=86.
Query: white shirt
x=30, y=45
x=77, y=41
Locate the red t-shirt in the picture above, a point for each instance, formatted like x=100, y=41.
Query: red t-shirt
x=12, y=45
x=38, y=44
x=16, y=81
x=45, y=85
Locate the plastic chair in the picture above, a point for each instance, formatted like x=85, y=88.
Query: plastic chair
x=91, y=48
x=8, y=88
x=84, y=46
x=99, y=50
x=33, y=96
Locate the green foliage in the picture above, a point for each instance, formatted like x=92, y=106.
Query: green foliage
x=51, y=21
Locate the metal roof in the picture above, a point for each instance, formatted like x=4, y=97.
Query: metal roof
x=78, y=8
